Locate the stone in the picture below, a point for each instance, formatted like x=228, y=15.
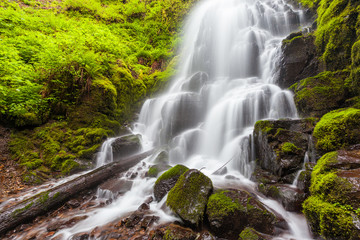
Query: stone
x=251, y=234
x=195, y=82
x=176, y=232
x=299, y=59
x=281, y=145
x=229, y=212
x=117, y=185
x=156, y=169
x=125, y=146
x=167, y=181
x=189, y=196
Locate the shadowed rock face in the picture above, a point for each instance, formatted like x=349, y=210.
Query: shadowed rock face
x=229, y=212
x=282, y=144
x=126, y=146
x=299, y=59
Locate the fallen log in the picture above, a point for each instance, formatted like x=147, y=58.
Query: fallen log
x=41, y=203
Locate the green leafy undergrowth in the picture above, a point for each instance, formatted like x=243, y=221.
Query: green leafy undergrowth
x=80, y=64
x=338, y=129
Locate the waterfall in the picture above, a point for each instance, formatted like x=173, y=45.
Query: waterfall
x=226, y=82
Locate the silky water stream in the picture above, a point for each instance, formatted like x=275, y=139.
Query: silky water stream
x=225, y=83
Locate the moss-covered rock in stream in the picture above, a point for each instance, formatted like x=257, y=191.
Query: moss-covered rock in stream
x=281, y=145
x=167, y=181
x=189, y=196
x=338, y=129
x=315, y=96
x=229, y=212
x=332, y=208
x=251, y=234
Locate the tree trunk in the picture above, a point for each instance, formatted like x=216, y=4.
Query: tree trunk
x=41, y=203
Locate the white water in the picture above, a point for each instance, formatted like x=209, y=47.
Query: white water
x=206, y=118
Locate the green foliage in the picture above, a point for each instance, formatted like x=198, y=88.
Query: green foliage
x=338, y=129
x=86, y=63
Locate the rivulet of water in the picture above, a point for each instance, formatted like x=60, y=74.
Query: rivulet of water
x=225, y=84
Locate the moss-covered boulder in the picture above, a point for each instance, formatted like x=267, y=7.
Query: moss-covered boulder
x=332, y=208
x=299, y=59
x=315, y=96
x=338, y=129
x=229, y=212
x=126, y=145
x=251, y=234
x=167, y=181
x=156, y=169
x=189, y=196
x=282, y=144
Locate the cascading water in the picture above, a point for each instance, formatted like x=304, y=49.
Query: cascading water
x=206, y=118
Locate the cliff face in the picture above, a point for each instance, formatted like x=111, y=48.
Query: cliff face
x=322, y=69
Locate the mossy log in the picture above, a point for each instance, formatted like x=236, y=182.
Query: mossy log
x=41, y=203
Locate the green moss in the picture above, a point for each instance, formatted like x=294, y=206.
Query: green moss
x=317, y=95
x=21, y=210
x=189, y=196
x=289, y=148
x=338, y=129
x=264, y=126
x=220, y=205
x=153, y=171
x=172, y=172
x=328, y=219
x=249, y=234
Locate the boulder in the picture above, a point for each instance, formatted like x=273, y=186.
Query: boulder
x=317, y=95
x=331, y=210
x=126, y=146
x=195, y=82
x=189, y=196
x=167, y=181
x=299, y=59
x=281, y=145
x=229, y=212
x=116, y=185
x=156, y=169
x=251, y=234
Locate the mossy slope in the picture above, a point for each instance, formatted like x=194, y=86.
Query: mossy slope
x=74, y=65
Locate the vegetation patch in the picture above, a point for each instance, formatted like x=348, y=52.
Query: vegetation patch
x=86, y=65
x=338, y=129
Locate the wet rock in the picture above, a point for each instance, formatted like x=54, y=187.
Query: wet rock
x=229, y=212
x=291, y=198
x=156, y=169
x=176, y=232
x=117, y=185
x=282, y=144
x=148, y=221
x=73, y=203
x=81, y=236
x=304, y=181
x=64, y=223
x=162, y=158
x=134, y=219
x=143, y=207
x=205, y=235
x=189, y=196
x=195, y=82
x=167, y=181
x=126, y=146
x=299, y=59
